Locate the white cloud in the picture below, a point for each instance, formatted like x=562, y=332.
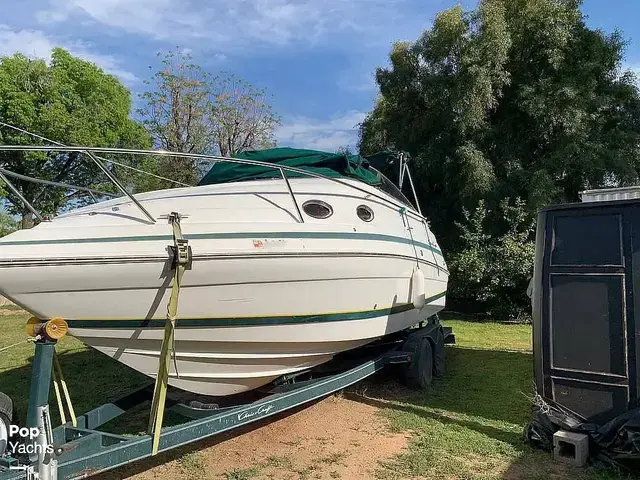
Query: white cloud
x=32, y=43
x=156, y=18
x=50, y=16
x=340, y=131
x=109, y=64
x=234, y=24
x=37, y=44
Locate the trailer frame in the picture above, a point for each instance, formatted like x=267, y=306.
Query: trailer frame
x=84, y=450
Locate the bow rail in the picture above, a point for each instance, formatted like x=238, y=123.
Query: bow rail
x=92, y=152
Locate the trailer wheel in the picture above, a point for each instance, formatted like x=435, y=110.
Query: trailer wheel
x=6, y=414
x=418, y=374
x=6, y=406
x=438, y=355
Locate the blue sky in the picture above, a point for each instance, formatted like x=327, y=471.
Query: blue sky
x=315, y=57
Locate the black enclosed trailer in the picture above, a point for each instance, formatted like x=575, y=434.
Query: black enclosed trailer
x=585, y=295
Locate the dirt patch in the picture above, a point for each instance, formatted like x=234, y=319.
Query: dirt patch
x=12, y=312
x=334, y=438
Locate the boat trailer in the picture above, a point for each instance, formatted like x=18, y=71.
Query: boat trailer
x=78, y=449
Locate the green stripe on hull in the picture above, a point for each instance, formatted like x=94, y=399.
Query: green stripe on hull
x=230, y=235
x=248, y=321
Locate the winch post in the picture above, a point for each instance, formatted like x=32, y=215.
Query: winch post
x=44, y=463
x=40, y=379
x=181, y=259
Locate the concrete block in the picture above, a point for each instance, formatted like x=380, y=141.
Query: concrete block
x=570, y=447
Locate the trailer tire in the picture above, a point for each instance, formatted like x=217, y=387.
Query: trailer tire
x=6, y=406
x=6, y=415
x=438, y=355
x=418, y=374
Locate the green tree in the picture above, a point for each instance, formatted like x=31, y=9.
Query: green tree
x=515, y=99
x=344, y=150
x=186, y=109
x=495, y=267
x=241, y=117
x=7, y=224
x=70, y=101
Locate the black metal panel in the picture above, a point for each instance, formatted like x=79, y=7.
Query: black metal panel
x=585, y=339
x=633, y=302
x=537, y=304
x=596, y=402
x=594, y=324
x=587, y=240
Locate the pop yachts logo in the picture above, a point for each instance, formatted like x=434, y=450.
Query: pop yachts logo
x=25, y=444
x=261, y=410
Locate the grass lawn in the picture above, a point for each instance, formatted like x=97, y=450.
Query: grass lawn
x=491, y=336
x=467, y=426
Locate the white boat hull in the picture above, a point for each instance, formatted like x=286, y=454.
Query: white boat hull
x=266, y=295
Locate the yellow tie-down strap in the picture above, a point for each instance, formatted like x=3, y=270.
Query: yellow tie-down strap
x=181, y=258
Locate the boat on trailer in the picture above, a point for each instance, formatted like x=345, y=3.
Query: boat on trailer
x=293, y=257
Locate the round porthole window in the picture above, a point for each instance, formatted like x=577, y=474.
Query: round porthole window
x=317, y=209
x=364, y=213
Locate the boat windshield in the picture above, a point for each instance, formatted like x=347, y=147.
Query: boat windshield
x=390, y=188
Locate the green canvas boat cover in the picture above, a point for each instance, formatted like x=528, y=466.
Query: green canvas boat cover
x=332, y=165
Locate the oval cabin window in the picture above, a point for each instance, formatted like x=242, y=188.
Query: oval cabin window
x=317, y=209
x=364, y=213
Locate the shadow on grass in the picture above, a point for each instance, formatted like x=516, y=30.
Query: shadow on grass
x=479, y=383
x=92, y=379
x=477, y=411
x=481, y=392
x=483, y=383
x=487, y=430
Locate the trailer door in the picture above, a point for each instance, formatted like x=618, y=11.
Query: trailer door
x=587, y=337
